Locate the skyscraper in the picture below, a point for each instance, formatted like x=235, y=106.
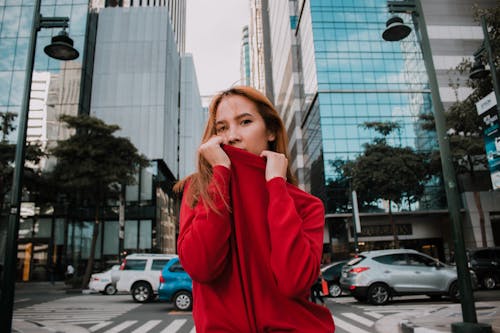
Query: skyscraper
x=131, y=76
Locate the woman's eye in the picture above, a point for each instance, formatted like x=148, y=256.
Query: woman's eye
x=220, y=129
x=246, y=121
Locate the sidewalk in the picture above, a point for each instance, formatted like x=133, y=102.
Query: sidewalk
x=439, y=320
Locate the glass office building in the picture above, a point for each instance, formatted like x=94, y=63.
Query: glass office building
x=333, y=72
x=352, y=77
x=61, y=233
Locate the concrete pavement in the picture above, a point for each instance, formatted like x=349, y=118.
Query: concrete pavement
x=438, y=320
x=432, y=320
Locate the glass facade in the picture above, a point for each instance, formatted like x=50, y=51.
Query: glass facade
x=352, y=76
x=61, y=233
x=15, y=28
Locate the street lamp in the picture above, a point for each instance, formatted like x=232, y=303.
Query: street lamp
x=61, y=48
x=478, y=71
x=396, y=31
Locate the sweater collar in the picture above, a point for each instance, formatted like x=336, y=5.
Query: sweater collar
x=240, y=155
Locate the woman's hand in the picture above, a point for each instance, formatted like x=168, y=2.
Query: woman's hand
x=213, y=153
x=276, y=164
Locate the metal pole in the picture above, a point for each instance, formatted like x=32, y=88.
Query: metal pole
x=450, y=182
x=355, y=220
x=491, y=61
x=9, y=278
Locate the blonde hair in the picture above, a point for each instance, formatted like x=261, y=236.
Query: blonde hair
x=199, y=181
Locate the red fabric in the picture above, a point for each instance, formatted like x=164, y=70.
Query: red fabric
x=252, y=269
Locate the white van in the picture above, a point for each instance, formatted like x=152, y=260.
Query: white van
x=140, y=275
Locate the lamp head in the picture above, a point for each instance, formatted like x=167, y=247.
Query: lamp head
x=61, y=47
x=395, y=30
x=478, y=71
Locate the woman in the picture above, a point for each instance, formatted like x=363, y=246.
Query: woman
x=249, y=238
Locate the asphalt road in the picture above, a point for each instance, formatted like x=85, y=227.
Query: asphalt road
x=119, y=313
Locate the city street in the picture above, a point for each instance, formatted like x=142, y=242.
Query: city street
x=41, y=302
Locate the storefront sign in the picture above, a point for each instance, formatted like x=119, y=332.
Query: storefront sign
x=487, y=110
x=384, y=230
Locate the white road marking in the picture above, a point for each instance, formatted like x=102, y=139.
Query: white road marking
x=99, y=326
x=147, y=326
x=359, y=319
x=122, y=326
x=174, y=326
x=348, y=327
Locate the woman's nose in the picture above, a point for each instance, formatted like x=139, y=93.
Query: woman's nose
x=232, y=136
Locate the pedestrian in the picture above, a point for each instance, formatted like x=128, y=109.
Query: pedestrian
x=70, y=271
x=250, y=239
x=316, y=291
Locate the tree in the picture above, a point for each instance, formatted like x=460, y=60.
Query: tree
x=465, y=127
x=92, y=164
x=7, y=155
x=390, y=173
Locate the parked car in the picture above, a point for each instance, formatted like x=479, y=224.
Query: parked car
x=105, y=282
x=331, y=273
x=176, y=286
x=140, y=275
x=377, y=276
x=485, y=262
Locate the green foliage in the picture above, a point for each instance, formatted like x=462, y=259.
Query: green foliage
x=92, y=160
x=386, y=172
x=6, y=122
x=92, y=163
x=33, y=154
x=465, y=129
x=390, y=173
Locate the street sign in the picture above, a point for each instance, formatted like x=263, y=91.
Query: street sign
x=486, y=108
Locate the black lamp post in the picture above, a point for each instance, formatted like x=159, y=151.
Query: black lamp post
x=396, y=31
x=61, y=48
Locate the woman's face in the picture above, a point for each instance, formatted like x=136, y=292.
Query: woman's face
x=239, y=123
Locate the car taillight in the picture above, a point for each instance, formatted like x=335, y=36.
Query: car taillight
x=122, y=266
x=357, y=270
x=351, y=288
x=95, y=279
x=162, y=279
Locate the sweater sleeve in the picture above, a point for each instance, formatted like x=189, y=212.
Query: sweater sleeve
x=203, y=243
x=296, y=239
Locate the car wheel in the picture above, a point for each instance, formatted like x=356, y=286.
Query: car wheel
x=454, y=292
x=334, y=290
x=142, y=292
x=378, y=294
x=110, y=290
x=489, y=282
x=183, y=301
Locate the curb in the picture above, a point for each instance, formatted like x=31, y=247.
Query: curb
x=409, y=327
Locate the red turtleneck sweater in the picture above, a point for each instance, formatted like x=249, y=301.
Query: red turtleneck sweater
x=252, y=268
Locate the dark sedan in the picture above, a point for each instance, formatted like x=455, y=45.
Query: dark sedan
x=331, y=273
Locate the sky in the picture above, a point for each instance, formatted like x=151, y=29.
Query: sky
x=213, y=36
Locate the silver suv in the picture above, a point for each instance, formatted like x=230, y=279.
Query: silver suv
x=377, y=276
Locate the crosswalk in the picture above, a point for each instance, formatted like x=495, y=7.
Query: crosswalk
x=106, y=315
x=76, y=310
x=149, y=326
